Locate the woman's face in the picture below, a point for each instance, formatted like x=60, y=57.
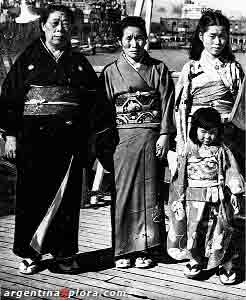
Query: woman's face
x=207, y=137
x=214, y=39
x=133, y=42
x=57, y=29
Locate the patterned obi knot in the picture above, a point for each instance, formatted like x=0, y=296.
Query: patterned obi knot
x=51, y=101
x=138, y=108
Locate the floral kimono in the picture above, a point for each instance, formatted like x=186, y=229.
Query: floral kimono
x=200, y=208
x=144, y=103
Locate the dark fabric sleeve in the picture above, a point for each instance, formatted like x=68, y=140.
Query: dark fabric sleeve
x=166, y=89
x=100, y=108
x=12, y=98
x=103, y=125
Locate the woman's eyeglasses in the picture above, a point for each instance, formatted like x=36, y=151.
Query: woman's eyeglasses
x=65, y=24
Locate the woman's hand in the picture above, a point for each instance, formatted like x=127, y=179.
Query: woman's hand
x=161, y=146
x=10, y=147
x=235, y=204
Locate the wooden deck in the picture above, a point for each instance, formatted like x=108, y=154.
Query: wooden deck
x=98, y=278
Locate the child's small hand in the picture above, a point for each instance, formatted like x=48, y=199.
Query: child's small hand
x=235, y=204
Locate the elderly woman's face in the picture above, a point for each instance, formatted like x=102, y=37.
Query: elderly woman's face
x=133, y=42
x=57, y=29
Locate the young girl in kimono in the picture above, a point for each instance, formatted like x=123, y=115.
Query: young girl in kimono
x=212, y=77
x=206, y=192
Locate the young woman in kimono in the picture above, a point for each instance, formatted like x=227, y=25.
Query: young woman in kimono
x=206, y=193
x=49, y=108
x=212, y=77
x=142, y=92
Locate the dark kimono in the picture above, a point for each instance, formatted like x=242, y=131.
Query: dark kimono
x=52, y=107
x=201, y=213
x=144, y=102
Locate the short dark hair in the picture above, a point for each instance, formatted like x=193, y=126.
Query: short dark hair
x=210, y=18
x=132, y=21
x=45, y=12
x=207, y=118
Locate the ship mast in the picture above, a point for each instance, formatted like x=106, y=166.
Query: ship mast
x=148, y=15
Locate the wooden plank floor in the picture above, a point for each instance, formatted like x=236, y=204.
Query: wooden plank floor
x=98, y=278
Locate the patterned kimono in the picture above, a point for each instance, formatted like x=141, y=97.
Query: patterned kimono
x=238, y=116
x=205, y=83
x=52, y=107
x=144, y=103
x=200, y=209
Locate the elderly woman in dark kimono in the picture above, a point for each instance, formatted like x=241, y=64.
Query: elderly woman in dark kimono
x=50, y=108
x=142, y=91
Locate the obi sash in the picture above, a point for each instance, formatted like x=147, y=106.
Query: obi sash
x=214, y=95
x=203, y=168
x=51, y=101
x=136, y=109
x=202, y=178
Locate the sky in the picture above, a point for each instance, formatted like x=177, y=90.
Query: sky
x=171, y=8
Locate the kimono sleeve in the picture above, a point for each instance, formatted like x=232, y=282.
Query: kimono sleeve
x=167, y=94
x=12, y=98
x=233, y=178
x=182, y=84
x=181, y=108
x=238, y=110
x=100, y=110
x=104, y=126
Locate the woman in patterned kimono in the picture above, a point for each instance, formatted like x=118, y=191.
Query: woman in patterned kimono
x=49, y=108
x=142, y=91
x=208, y=190
x=211, y=78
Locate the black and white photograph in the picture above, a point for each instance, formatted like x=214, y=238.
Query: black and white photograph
x=122, y=149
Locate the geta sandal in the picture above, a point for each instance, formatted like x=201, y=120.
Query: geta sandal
x=123, y=263
x=29, y=266
x=192, y=271
x=143, y=262
x=227, y=277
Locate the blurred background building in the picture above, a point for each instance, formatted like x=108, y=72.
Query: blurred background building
x=97, y=22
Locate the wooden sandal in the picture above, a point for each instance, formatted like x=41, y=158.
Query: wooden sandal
x=227, y=277
x=192, y=271
x=29, y=266
x=123, y=263
x=143, y=262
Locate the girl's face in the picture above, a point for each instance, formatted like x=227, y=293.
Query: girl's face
x=133, y=42
x=214, y=39
x=207, y=137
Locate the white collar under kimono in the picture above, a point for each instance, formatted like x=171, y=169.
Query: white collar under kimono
x=132, y=62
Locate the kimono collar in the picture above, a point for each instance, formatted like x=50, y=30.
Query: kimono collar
x=135, y=65
x=56, y=58
x=207, y=61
